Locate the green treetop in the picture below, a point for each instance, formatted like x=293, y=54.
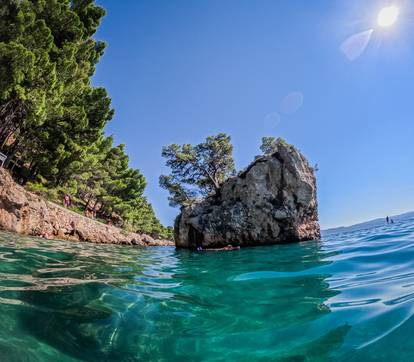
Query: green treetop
x=269, y=144
x=197, y=170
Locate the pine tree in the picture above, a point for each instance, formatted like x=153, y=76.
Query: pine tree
x=52, y=118
x=198, y=170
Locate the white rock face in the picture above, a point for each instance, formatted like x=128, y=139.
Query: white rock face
x=273, y=201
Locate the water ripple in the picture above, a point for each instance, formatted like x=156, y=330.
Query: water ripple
x=348, y=298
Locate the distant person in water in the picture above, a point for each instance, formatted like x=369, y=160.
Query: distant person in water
x=392, y=221
x=67, y=201
x=231, y=247
x=387, y=219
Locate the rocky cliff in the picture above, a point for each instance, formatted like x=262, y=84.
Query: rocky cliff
x=273, y=201
x=26, y=213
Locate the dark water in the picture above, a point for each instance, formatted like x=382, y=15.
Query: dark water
x=349, y=298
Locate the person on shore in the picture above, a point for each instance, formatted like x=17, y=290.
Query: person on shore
x=67, y=201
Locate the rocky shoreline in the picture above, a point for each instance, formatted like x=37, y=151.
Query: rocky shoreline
x=28, y=214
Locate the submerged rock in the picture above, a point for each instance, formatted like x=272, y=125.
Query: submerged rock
x=273, y=201
x=26, y=213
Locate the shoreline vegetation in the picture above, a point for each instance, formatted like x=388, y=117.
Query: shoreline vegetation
x=27, y=213
x=52, y=119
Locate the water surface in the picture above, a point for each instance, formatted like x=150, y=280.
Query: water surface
x=348, y=298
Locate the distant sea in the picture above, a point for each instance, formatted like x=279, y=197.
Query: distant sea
x=368, y=224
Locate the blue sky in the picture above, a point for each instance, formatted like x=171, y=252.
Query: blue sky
x=180, y=70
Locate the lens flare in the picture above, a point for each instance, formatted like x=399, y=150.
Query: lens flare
x=355, y=45
x=388, y=16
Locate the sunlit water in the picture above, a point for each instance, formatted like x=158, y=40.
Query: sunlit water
x=348, y=298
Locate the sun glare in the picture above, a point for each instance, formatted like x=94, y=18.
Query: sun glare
x=388, y=16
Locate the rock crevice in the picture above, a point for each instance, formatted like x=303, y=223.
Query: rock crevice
x=272, y=201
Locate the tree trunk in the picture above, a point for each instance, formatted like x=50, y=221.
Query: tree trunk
x=94, y=205
x=11, y=154
x=33, y=170
x=87, y=204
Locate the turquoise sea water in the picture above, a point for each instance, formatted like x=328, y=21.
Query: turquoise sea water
x=348, y=298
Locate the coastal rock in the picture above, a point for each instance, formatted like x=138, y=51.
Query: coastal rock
x=26, y=213
x=273, y=201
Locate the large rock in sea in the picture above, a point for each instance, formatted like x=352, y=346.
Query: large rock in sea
x=273, y=201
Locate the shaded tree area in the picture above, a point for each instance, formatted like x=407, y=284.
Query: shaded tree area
x=52, y=118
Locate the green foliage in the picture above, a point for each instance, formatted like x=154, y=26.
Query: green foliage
x=270, y=144
x=52, y=118
x=197, y=170
x=52, y=194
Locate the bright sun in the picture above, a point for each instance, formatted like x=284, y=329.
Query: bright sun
x=388, y=16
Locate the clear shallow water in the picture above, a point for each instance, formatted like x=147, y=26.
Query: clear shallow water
x=349, y=298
